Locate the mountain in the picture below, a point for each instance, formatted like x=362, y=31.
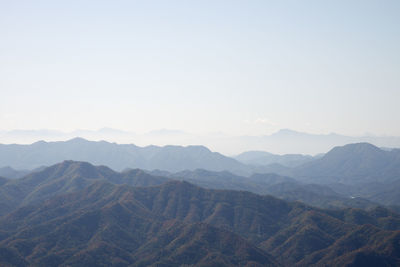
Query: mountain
x=65, y=177
x=266, y=158
x=272, y=184
x=103, y=225
x=178, y=223
x=11, y=173
x=385, y=193
x=3, y=180
x=287, y=141
x=283, y=141
x=71, y=176
x=118, y=157
x=351, y=164
x=257, y=183
x=358, y=171
x=371, y=172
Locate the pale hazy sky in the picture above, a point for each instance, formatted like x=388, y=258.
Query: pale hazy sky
x=239, y=67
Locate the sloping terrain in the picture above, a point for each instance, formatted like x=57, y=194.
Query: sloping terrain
x=65, y=177
x=108, y=222
x=103, y=226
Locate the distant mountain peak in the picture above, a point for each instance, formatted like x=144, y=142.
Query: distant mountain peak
x=199, y=147
x=286, y=132
x=355, y=148
x=73, y=168
x=351, y=164
x=78, y=140
x=38, y=143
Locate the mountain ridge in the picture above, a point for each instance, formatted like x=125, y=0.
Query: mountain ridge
x=352, y=163
x=116, y=156
x=283, y=141
x=220, y=218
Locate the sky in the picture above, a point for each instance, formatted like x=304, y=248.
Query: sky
x=237, y=67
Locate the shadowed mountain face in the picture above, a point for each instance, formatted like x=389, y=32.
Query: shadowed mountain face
x=103, y=220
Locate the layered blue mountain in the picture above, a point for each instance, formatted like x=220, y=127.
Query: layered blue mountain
x=266, y=158
x=361, y=172
x=353, y=163
x=117, y=156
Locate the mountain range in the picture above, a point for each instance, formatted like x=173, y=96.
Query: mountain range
x=353, y=163
x=354, y=170
x=272, y=184
x=354, y=175
x=75, y=214
x=284, y=141
x=116, y=156
x=265, y=158
x=359, y=162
